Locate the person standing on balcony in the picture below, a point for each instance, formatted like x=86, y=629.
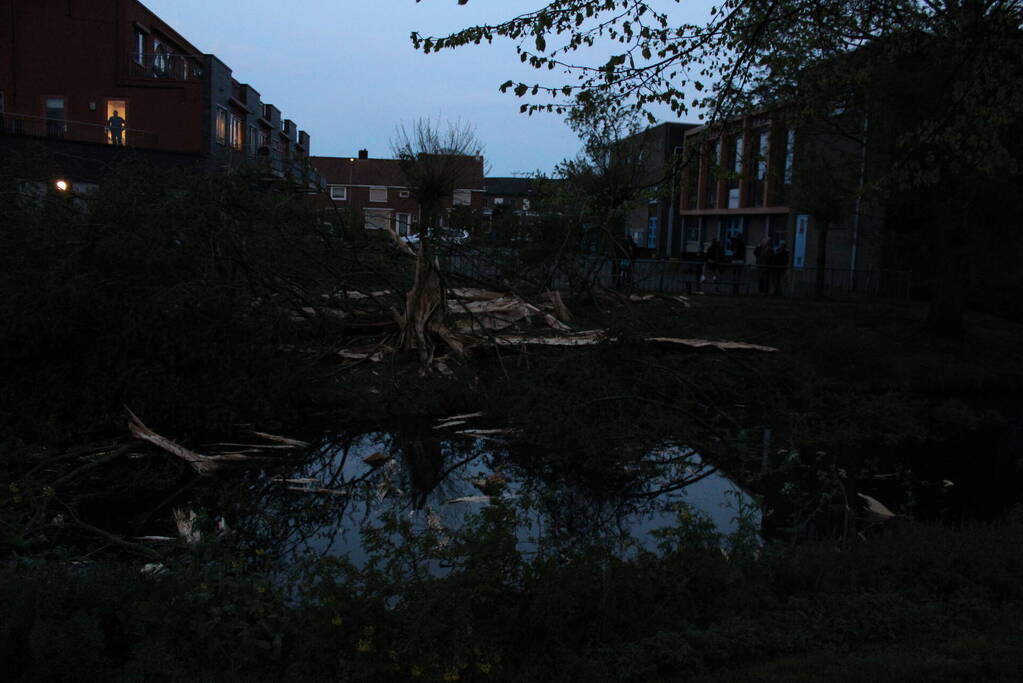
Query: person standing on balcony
x=115, y=124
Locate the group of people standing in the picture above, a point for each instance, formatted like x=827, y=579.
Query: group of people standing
x=771, y=261
x=771, y=265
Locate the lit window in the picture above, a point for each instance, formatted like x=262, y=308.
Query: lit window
x=462, y=198
x=237, y=133
x=221, y=125
x=338, y=192
x=378, y=194
x=117, y=124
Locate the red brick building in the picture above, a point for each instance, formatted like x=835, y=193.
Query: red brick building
x=66, y=67
x=376, y=190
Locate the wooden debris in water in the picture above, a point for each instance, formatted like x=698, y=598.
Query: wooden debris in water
x=186, y=521
x=203, y=464
x=376, y=459
x=154, y=569
x=315, y=489
x=464, y=416
x=295, y=481
x=294, y=443
x=467, y=499
x=492, y=484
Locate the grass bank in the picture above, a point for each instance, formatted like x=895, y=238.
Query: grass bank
x=923, y=603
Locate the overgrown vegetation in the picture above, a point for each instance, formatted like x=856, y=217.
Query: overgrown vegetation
x=200, y=302
x=693, y=607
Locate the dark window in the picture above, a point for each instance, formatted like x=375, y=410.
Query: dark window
x=711, y=174
x=139, y=51
x=55, y=125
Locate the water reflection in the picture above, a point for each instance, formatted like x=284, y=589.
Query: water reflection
x=436, y=479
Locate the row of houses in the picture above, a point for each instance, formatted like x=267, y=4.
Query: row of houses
x=108, y=75
x=95, y=77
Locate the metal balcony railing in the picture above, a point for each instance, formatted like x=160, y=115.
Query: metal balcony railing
x=163, y=65
x=76, y=131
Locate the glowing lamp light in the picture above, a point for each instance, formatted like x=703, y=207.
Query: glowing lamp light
x=63, y=185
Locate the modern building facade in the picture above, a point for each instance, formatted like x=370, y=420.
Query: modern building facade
x=110, y=73
x=756, y=178
x=376, y=191
x=655, y=227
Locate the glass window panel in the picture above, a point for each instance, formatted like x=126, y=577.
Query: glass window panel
x=55, y=126
x=221, y=125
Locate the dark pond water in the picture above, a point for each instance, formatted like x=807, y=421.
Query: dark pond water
x=438, y=476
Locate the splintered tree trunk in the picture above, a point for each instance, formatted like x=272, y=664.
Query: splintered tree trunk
x=425, y=309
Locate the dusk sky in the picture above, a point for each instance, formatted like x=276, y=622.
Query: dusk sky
x=346, y=73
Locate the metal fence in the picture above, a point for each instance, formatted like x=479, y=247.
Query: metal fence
x=675, y=276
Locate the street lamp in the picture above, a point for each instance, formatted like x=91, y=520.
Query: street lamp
x=62, y=185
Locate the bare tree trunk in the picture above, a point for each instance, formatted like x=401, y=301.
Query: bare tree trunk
x=425, y=323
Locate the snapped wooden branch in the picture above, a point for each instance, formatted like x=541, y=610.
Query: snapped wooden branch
x=208, y=464
x=201, y=463
x=480, y=313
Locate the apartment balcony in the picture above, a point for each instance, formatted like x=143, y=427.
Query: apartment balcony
x=164, y=66
x=74, y=131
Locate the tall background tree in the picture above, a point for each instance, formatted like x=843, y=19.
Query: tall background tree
x=436, y=159
x=947, y=135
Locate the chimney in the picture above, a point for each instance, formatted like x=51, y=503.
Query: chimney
x=364, y=154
